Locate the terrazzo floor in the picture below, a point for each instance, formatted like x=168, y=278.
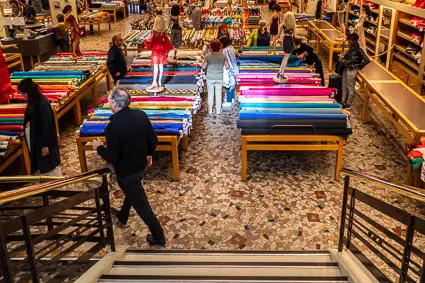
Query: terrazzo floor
x=291, y=200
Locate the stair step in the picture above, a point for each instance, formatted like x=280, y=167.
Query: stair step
x=226, y=256
x=226, y=270
x=222, y=279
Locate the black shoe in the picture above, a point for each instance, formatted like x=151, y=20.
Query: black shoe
x=153, y=242
x=116, y=213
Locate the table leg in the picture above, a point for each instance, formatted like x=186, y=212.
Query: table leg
x=22, y=63
x=244, y=158
x=57, y=128
x=32, y=62
x=366, y=99
x=338, y=165
x=331, y=53
x=109, y=23
x=409, y=176
x=115, y=16
x=38, y=58
x=82, y=156
x=185, y=143
x=77, y=112
x=95, y=94
x=109, y=83
x=25, y=158
x=175, y=157
x=91, y=29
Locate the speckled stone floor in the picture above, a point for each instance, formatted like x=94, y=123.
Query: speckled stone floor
x=290, y=201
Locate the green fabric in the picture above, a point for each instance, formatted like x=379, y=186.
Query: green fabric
x=416, y=163
x=252, y=40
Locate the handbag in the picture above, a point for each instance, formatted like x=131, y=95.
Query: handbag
x=339, y=68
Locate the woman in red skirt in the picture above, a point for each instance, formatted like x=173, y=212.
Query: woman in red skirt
x=76, y=33
x=160, y=45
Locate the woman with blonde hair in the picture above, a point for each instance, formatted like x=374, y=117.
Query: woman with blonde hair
x=160, y=45
x=288, y=29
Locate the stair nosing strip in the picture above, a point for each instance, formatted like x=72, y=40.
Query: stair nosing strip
x=207, y=263
x=254, y=278
x=290, y=252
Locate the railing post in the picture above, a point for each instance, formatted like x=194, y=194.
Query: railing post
x=107, y=207
x=422, y=279
x=351, y=218
x=4, y=261
x=46, y=203
x=30, y=250
x=407, y=249
x=343, y=210
x=99, y=215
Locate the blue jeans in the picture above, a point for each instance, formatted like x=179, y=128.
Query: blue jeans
x=230, y=94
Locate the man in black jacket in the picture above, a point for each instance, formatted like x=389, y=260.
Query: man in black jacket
x=306, y=53
x=131, y=141
x=116, y=61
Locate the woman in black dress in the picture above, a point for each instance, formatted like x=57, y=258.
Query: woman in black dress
x=274, y=28
x=40, y=130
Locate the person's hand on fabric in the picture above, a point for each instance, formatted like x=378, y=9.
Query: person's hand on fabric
x=149, y=161
x=117, y=74
x=341, y=57
x=301, y=56
x=96, y=144
x=44, y=151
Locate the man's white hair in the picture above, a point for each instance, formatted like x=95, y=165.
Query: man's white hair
x=121, y=97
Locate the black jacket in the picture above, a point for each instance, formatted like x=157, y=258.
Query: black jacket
x=116, y=61
x=43, y=134
x=355, y=58
x=130, y=138
x=311, y=57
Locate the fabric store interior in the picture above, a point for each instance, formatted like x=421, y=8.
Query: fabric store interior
x=289, y=140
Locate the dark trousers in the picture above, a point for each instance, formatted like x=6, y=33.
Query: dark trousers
x=135, y=196
x=115, y=78
x=63, y=44
x=319, y=69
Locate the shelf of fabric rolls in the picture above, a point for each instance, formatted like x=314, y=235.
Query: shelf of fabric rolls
x=64, y=83
x=112, y=7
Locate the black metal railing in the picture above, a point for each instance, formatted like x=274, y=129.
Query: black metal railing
x=363, y=230
x=49, y=232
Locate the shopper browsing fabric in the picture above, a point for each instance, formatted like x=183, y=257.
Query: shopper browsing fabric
x=131, y=142
x=62, y=38
x=29, y=13
x=229, y=81
x=176, y=29
x=354, y=60
x=223, y=31
x=40, y=130
x=160, y=46
x=306, y=53
x=288, y=30
x=274, y=28
x=76, y=33
x=271, y=5
x=214, y=64
x=116, y=60
x=16, y=8
x=360, y=26
x=260, y=36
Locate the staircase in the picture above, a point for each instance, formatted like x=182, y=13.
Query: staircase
x=227, y=266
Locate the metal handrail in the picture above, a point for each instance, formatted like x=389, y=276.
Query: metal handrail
x=48, y=186
x=397, y=188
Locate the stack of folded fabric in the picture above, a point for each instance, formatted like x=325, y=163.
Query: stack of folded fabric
x=256, y=63
x=143, y=23
x=301, y=18
x=184, y=57
x=109, y=4
x=59, y=77
x=291, y=109
x=170, y=114
x=136, y=37
x=11, y=119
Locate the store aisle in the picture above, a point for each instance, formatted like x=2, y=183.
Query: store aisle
x=289, y=202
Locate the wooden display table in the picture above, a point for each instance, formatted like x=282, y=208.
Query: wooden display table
x=292, y=143
x=98, y=22
x=326, y=34
x=398, y=102
x=165, y=143
x=17, y=150
x=113, y=11
x=14, y=59
x=73, y=101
